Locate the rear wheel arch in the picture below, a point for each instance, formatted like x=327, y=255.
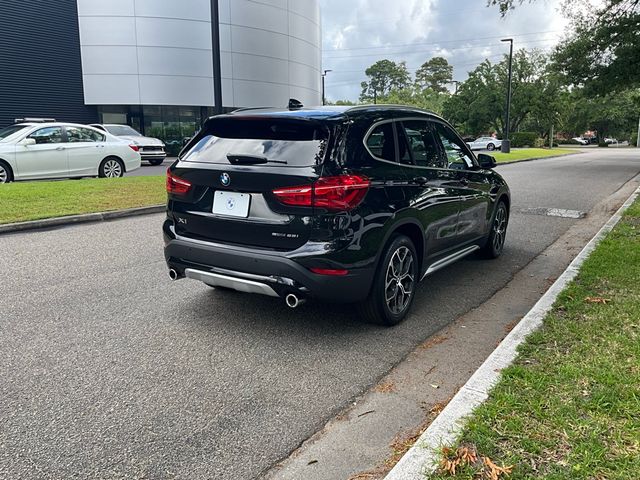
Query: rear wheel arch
x=106, y=159
x=410, y=228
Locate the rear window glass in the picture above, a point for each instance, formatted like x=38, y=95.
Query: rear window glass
x=266, y=142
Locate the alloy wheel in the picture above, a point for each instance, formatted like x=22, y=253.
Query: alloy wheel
x=4, y=175
x=499, y=228
x=399, y=280
x=112, y=169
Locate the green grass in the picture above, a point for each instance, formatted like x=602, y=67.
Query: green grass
x=22, y=201
x=569, y=407
x=528, y=153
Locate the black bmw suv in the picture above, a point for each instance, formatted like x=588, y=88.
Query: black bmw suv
x=341, y=204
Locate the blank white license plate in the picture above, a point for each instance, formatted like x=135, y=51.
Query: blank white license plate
x=232, y=204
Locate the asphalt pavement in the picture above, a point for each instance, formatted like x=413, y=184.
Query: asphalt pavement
x=110, y=370
x=147, y=170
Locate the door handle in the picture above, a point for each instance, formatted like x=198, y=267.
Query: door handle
x=59, y=148
x=419, y=180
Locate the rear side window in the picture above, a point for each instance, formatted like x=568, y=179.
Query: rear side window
x=79, y=134
x=423, y=145
x=381, y=142
x=269, y=142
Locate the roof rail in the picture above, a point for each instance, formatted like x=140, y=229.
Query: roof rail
x=242, y=109
x=34, y=120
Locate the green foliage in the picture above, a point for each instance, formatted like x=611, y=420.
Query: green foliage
x=435, y=74
x=523, y=139
x=342, y=102
x=384, y=76
x=634, y=139
x=602, y=53
x=611, y=115
x=480, y=106
x=426, y=99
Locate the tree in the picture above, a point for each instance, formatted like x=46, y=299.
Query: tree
x=435, y=74
x=384, y=76
x=479, y=106
x=425, y=99
x=602, y=54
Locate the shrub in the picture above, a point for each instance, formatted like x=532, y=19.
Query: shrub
x=523, y=139
x=603, y=144
x=634, y=140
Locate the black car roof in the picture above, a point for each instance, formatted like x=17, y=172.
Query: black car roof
x=327, y=112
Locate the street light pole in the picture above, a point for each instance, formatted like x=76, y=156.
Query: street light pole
x=506, y=143
x=638, y=139
x=324, y=74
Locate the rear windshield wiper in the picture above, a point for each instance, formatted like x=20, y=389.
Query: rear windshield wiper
x=251, y=160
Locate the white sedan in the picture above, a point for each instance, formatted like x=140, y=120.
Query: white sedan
x=485, y=143
x=35, y=151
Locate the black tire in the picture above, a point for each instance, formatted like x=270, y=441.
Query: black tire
x=388, y=301
x=495, y=242
x=6, y=174
x=111, y=167
x=156, y=162
x=491, y=147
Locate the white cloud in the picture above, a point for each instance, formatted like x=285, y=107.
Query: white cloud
x=359, y=32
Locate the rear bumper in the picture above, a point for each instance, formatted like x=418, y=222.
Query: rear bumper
x=153, y=155
x=276, y=270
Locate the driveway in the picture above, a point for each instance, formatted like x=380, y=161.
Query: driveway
x=109, y=370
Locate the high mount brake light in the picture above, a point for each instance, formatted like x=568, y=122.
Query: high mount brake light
x=341, y=192
x=177, y=185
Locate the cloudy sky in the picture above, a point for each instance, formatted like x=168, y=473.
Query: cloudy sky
x=357, y=33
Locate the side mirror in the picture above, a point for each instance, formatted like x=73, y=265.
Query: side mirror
x=486, y=161
x=25, y=142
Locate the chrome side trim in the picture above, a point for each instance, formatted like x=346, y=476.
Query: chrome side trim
x=454, y=257
x=240, y=284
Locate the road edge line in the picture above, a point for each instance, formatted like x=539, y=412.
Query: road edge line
x=421, y=459
x=79, y=219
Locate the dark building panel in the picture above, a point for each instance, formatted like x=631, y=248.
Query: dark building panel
x=40, y=65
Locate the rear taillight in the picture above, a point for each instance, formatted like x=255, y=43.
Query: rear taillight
x=342, y=192
x=135, y=148
x=177, y=185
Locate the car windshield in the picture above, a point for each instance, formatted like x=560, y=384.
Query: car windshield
x=8, y=131
x=122, y=131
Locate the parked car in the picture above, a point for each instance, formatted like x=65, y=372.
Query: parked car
x=485, y=143
x=580, y=140
x=32, y=151
x=331, y=203
x=152, y=150
x=609, y=141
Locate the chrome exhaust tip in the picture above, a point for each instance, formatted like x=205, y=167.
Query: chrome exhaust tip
x=293, y=301
x=173, y=275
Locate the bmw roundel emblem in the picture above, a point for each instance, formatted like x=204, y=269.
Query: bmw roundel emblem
x=225, y=179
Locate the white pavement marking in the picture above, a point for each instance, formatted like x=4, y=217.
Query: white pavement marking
x=423, y=456
x=555, y=212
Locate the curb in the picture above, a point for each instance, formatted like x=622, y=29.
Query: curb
x=77, y=219
x=422, y=458
x=538, y=158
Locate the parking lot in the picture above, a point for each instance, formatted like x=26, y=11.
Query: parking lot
x=110, y=370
